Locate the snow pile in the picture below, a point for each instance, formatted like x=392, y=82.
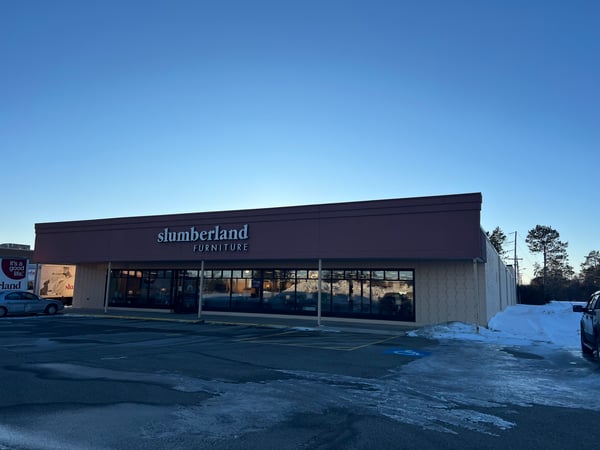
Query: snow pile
x=554, y=323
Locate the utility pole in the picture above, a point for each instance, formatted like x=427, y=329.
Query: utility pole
x=516, y=262
x=514, y=258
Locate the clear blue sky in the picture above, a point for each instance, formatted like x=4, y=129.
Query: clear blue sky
x=125, y=108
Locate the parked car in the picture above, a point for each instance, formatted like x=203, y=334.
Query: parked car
x=590, y=325
x=22, y=302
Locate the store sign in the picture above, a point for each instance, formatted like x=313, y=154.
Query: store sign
x=13, y=274
x=215, y=239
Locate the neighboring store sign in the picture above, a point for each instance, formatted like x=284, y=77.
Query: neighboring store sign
x=56, y=281
x=13, y=274
x=214, y=239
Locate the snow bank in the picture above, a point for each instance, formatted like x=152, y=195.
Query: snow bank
x=554, y=324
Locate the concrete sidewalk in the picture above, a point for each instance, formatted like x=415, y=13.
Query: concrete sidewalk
x=255, y=320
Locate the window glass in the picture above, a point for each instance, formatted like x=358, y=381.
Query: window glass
x=391, y=274
x=383, y=294
x=187, y=295
x=284, y=274
x=406, y=275
x=136, y=295
x=117, y=288
x=159, y=292
x=393, y=299
x=279, y=295
x=246, y=292
x=216, y=294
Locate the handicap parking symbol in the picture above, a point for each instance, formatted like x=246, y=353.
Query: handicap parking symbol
x=407, y=352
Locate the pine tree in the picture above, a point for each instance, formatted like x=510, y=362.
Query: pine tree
x=497, y=238
x=590, y=271
x=546, y=240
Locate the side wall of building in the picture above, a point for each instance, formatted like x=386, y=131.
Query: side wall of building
x=500, y=284
x=89, y=287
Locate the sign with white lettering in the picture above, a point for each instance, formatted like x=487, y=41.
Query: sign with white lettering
x=13, y=274
x=211, y=240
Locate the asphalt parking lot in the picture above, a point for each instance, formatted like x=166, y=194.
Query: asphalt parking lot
x=93, y=382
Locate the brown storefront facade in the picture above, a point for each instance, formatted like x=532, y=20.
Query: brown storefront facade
x=413, y=260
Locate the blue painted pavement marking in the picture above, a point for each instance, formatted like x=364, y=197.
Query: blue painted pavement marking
x=407, y=352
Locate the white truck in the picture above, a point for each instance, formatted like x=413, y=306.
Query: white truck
x=46, y=280
x=55, y=281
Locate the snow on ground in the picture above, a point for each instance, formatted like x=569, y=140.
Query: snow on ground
x=554, y=324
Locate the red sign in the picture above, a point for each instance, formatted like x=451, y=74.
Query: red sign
x=15, y=269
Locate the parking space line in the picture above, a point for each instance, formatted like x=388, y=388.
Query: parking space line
x=375, y=343
x=323, y=344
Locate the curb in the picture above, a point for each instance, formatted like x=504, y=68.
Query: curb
x=188, y=321
x=280, y=326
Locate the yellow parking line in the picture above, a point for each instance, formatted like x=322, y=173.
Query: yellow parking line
x=375, y=343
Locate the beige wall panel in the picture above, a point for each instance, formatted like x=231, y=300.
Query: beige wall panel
x=89, y=286
x=446, y=292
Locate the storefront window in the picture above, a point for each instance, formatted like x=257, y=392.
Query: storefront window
x=395, y=299
x=217, y=291
x=245, y=292
x=187, y=291
x=279, y=290
x=391, y=274
x=384, y=294
x=159, y=288
x=118, y=288
x=377, y=275
x=135, y=295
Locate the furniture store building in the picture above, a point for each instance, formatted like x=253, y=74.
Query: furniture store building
x=412, y=260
